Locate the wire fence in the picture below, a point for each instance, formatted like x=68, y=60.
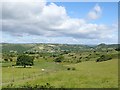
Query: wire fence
x=24, y=77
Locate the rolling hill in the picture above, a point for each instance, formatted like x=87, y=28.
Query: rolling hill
x=21, y=48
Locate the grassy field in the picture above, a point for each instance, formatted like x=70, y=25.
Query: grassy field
x=88, y=74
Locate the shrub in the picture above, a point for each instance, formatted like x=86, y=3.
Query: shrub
x=11, y=59
x=73, y=68
x=66, y=52
x=59, y=59
x=78, y=61
x=86, y=57
x=89, y=54
x=117, y=49
x=6, y=59
x=68, y=68
x=103, y=58
x=94, y=51
x=80, y=58
x=37, y=57
x=28, y=86
x=10, y=85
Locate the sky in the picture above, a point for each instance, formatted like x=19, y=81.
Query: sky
x=59, y=22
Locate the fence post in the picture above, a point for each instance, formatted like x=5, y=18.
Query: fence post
x=29, y=75
x=23, y=76
x=13, y=75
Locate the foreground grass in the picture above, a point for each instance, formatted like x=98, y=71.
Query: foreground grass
x=87, y=75
x=13, y=74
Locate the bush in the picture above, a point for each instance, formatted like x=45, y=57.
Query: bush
x=59, y=59
x=28, y=86
x=78, y=61
x=80, y=58
x=66, y=52
x=103, y=58
x=71, y=68
x=117, y=49
x=68, y=68
x=11, y=59
x=37, y=57
x=9, y=85
x=89, y=54
x=6, y=59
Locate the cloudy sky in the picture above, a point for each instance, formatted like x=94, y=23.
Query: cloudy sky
x=59, y=22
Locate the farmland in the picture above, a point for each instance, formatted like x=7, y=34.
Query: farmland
x=78, y=68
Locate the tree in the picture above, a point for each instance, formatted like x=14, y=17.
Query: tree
x=59, y=59
x=117, y=49
x=11, y=59
x=24, y=60
x=6, y=59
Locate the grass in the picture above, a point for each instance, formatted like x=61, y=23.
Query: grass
x=11, y=73
x=88, y=74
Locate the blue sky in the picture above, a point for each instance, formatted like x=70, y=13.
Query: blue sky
x=60, y=22
x=79, y=10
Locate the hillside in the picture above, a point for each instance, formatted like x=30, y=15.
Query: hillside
x=103, y=46
x=21, y=48
x=61, y=65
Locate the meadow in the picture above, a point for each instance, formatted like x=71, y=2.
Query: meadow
x=66, y=74
x=87, y=75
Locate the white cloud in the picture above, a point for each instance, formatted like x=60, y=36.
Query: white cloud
x=50, y=20
x=95, y=13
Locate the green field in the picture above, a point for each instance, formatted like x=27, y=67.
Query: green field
x=87, y=75
x=78, y=68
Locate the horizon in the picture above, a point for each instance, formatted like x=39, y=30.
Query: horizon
x=62, y=43
x=60, y=22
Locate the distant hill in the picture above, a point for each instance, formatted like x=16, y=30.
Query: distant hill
x=20, y=48
x=106, y=46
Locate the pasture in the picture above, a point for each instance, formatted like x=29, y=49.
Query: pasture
x=86, y=75
x=61, y=66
